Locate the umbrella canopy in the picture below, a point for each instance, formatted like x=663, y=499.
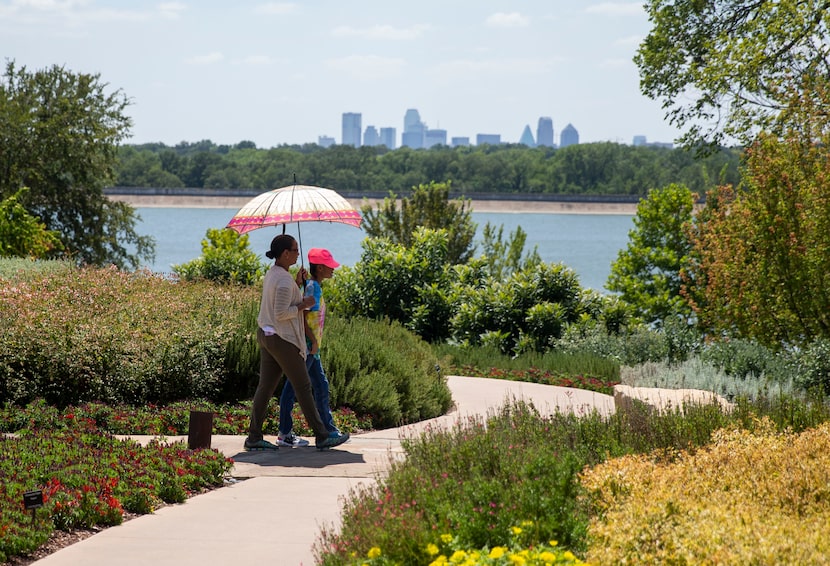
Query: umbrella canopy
x=295, y=203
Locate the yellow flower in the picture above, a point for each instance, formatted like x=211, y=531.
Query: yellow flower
x=517, y=559
x=446, y=538
x=552, y=542
x=432, y=549
x=458, y=556
x=527, y=523
x=374, y=552
x=568, y=555
x=440, y=561
x=547, y=556
x=516, y=530
x=497, y=552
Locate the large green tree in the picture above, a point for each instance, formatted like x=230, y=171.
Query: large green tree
x=732, y=68
x=429, y=206
x=763, y=250
x=59, y=134
x=648, y=272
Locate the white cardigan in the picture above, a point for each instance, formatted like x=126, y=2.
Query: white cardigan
x=279, y=307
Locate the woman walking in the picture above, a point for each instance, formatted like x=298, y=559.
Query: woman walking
x=282, y=346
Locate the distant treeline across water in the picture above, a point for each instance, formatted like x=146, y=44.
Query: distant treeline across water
x=250, y=193
x=574, y=172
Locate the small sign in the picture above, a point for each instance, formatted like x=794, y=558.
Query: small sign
x=33, y=499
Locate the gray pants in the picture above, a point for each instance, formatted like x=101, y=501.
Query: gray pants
x=278, y=357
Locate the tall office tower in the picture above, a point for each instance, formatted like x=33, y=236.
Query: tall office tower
x=351, y=128
x=544, y=132
x=325, y=141
x=411, y=119
x=413, y=130
x=435, y=137
x=639, y=140
x=460, y=141
x=569, y=136
x=527, y=137
x=387, y=137
x=491, y=139
x=370, y=136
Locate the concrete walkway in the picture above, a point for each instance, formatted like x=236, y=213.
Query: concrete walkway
x=275, y=514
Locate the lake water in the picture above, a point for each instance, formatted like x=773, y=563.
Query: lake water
x=587, y=243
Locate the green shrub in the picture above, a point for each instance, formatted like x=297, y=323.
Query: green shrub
x=226, y=258
x=812, y=366
x=382, y=369
x=404, y=284
x=743, y=358
x=633, y=345
x=511, y=310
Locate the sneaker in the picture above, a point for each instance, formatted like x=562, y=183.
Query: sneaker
x=334, y=439
x=291, y=440
x=260, y=446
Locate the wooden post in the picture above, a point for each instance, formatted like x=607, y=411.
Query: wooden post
x=199, y=430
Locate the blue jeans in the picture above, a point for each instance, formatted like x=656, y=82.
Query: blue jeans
x=320, y=389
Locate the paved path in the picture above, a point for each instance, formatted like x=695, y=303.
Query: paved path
x=274, y=516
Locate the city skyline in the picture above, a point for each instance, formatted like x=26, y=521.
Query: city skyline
x=276, y=73
x=417, y=135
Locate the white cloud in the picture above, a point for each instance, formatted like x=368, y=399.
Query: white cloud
x=382, y=32
x=208, y=59
x=616, y=8
x=276, y=8
x=511, y=20
x=368, y=66
x=256, y=60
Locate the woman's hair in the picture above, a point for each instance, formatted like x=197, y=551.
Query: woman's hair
x=278, y=245
x=312, y=268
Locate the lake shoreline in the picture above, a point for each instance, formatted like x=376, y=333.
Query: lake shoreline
x=488, y=205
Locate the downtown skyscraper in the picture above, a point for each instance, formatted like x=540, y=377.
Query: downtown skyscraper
x=352, y=122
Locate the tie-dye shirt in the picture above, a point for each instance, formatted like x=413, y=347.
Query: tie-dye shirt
x=316, y=315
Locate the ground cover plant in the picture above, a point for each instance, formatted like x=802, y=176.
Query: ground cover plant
x=580, y=370
x=750, y=497
x=165, y=420
x=92, y=479
x=485, y=476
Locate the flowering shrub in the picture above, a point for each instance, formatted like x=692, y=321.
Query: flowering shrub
x=102, y=334
x=447, y=551
x=91, y=480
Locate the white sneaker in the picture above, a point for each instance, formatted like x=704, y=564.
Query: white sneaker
x=291, y=440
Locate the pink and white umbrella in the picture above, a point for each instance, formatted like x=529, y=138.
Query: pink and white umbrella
x=295, y=203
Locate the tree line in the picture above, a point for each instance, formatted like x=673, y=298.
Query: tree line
x=586, y=169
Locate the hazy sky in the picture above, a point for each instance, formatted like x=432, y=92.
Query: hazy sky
x=284, y=72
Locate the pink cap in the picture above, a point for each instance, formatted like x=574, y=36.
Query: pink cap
x=322, y=256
